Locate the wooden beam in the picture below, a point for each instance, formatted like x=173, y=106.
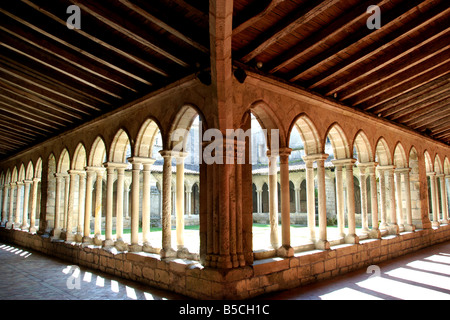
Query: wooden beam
x=383, y=82
x=435, y=126
x=430, y=113
x=144, y=63
x=399, y=69
x=390, y=18
x=320, y=37
x=406, y=87
x=150, y=17
x=355, y=61
x=254, y=14
x=128, y=29
x=402, y=102
x=285, y=27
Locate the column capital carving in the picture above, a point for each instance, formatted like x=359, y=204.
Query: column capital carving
x=116, y=165
x=440, y=175
x=28, y=181
x=343, y=162
x=60, y=175
x=95, y=169
x=36, y=179
x=389, y=167
x=280, y=152
x=315, y=157
x=142, y=160
x=367, y=164
x=78, y=172
x=431, y=174
x=403, y=170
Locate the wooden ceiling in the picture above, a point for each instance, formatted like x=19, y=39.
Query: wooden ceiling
x=53, y=79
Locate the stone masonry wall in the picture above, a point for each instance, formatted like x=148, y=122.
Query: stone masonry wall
x=190, y=278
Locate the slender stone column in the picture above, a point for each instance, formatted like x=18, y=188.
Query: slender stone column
x=444, y=201
x=167, y=250
x=363, y=188
x=26, y=199
x=120, y=167
x=146, y=204
x=180, y=156
x=433, y=203
x=297, y=199
x=285, y=250
x=322, y=242
x=407, y=186
x=34, y=194
x=56, y=232
x=6, y=195
x=18, y=213
x=90, y=173
x=310, y=197
x=375, y=232
x=339, y=198
x=81, y=201
x=398, y=188
x=383, y=224
x=393, y=225
x=273, y=200
x=351, y=235
x=108, y=242
x=10, y=223
x=188, y=201
x=2, y=200
x=66, y=199
x=69, y=235
x=136, y=170
x=98, y=205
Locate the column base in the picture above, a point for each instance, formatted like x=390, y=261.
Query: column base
x=168, y=253
x=182, y=252
x=147, y=247
x=121, y=245
x=135, y=248
x=55, y=233
x=68, y=236
x=393, y=229
x=322, y=244
x=285, y=251
x=32, y=230
x=25, y=227
x=98, y=240
x=410, y=228
x=445, y=221
x=351, y=239
x=78, y=237
x=375, y=234
x=435, y=224
x=9, y=225
x=107, y=243
x=87, y=240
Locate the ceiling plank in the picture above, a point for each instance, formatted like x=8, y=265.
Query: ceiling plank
x=403, y=32
x=285, y=27
x=389, y=20
x=121, y=25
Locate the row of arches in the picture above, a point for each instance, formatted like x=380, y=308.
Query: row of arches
x=80, y=187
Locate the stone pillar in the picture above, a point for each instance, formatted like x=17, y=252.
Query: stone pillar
x=81, y=201
x=18, y=213
x=146, y=204
x=310, y=197
x=351, y=236
x=393, y=225
x=6, y=194
x=136, y=170
x=407, y=186
x=108, y=242
x=444, y=201
x=375, y=232
x=167, y=250
x=363, y=188
x=273, y=200
x=339, y=198
x=285, y=250
x=66, y=199
x=297, y=199
x=322, y=242
x=56, y=232
x=69, y=235
x=383, y=224
x=98, y=206
x=179, y=202
x=34, y=194
x=120, y=244
x=90, y=174
x=10, y=223
x=398, y=188
x=433, y=203
x=258, y=201
x=188, y=201
x=26, y=199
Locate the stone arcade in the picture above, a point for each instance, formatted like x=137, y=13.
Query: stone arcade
x=87, y=193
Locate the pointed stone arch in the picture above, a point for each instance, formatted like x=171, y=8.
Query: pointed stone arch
x=38, y=168
x=119, y=146
x=97, y=154
x=438, y=168
x=308, y=133
x=400, y=159
x=269, y=121
x=446, y=166
x=29, y=173
x=63, y=162
x=181, y=124
x=363, y=148
x=79, y=157
x=146, y=138
x=21, y=174
x=339, y=142
x=383, y=153
x=428, y=162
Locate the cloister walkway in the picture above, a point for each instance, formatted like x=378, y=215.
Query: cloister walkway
x=28, y=275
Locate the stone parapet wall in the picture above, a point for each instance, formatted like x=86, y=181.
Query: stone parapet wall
x=190, y=278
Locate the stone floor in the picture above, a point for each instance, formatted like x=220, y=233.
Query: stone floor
x=27, y=275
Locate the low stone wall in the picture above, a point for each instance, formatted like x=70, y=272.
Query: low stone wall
x=190, y=278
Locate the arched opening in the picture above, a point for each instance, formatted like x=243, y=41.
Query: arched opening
x=387, y=203
x=415, y=187
x=51, y=194
x=62, y=191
